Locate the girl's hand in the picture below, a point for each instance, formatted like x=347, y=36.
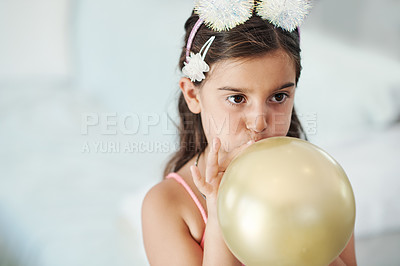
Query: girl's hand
x=215, y=169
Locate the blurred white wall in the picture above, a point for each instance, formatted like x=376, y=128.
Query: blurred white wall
x=126, y=55
x=35, y=40
x=127, y=51
x=370, y=23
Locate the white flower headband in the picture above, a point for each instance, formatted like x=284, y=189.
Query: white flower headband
x=196, y=66
x=220, y=15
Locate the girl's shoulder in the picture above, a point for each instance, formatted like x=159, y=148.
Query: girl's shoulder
x=167, y=198
x=170, y=192
x=169, y=204
x=163, y=194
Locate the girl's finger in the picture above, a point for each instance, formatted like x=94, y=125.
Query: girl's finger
x=197, y=179
x=212, y=160
x=200, y=182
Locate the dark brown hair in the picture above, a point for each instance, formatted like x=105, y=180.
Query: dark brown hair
x=254, y=38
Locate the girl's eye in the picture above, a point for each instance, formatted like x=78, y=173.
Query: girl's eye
x=279, y=97
x=236, y=99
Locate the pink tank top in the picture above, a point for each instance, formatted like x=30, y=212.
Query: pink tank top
x=195, y=199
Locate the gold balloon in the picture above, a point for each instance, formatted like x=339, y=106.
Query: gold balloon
x=284, y=201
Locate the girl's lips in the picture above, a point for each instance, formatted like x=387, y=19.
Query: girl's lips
x=255, y=139
x=258, y=139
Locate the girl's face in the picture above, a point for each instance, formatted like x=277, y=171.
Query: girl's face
x=250, y=99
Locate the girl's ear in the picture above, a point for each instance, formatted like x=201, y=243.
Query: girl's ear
x=190, y=92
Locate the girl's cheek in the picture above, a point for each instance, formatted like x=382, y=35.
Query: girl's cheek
x=228, y=144
x=216, y=125
x=280, y=124
x=236, y=124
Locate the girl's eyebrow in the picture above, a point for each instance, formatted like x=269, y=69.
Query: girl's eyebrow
x=245, y=90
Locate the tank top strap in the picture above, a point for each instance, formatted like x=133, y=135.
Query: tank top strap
x=180, y=180
x=191, y=193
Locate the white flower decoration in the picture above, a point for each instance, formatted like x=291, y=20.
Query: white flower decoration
x=222, y=15
x=288, y=14
x=196, y=66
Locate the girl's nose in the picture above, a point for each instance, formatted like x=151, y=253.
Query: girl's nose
x=257, y=122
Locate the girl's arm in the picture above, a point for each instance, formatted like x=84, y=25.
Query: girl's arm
x=215, y=250
x=348, y=255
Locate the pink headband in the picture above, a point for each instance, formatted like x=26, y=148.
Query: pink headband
x=191, y=36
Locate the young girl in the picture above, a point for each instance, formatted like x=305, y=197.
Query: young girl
x=244, y=96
